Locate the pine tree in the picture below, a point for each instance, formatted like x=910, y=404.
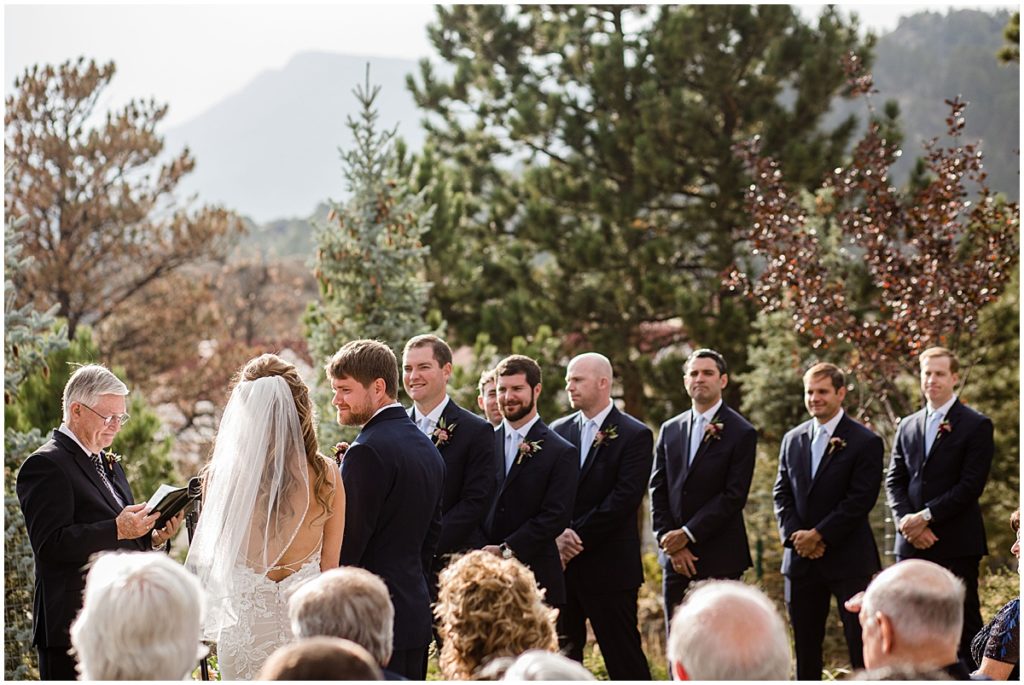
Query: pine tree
x=370, y=260
x=592, y=166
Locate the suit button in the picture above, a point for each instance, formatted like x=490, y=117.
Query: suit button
x=501, y=509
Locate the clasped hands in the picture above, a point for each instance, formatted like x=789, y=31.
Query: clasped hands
x=134, y=521
x=808, y=543
x=569, y=545
x=675, y=544
x=915, y=529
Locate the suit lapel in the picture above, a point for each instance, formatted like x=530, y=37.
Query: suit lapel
x=499, y=456
x=593, y=452
x=940, y=436
x=830, y=453
x=520, y=461
x=683, y=447
x=705, y=443
x=87, y=466
x=802, y=458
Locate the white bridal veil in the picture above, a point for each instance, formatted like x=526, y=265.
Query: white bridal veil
x=255, y=496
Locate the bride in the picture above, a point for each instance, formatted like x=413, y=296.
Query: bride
x=273, y=515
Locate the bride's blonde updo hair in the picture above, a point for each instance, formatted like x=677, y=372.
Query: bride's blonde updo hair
x=271, y=365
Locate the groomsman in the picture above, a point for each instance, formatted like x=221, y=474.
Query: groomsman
x=536, y=472
x=704, y=462
x=601, y=547
x=830, y=473
x=487, y=398
x=394, y=477
x=940, y=463
x=465, y=441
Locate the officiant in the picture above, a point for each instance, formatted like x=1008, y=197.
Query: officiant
x=77, y=502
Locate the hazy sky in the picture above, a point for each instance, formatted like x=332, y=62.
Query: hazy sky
x=191, y=56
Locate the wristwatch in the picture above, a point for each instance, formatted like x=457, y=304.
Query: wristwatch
x=506, y=551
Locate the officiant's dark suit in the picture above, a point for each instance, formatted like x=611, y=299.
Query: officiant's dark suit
x=706, y=493
x=533, y=502
x=602, y=581
x=469, y=484
x=70, y=515
x=394, y=477
x=835, y=502
x=947, y=482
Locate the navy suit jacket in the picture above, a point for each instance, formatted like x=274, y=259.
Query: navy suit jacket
x=468, y=480
x=949, y=481
x=606, y=511
x=534, y=504
x=69, y=514
x=836, y=502
x=707, y=496
x=393, y=479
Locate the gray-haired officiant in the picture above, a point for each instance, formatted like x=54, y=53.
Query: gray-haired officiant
x=77, y=501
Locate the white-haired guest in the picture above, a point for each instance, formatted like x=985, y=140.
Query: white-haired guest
x=346, y=602
x=537, y=664
x=726, y=630
x=140, y=620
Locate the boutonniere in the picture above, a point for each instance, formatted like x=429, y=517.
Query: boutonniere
x=945, y=427
x=339, y=452
x=527, y=449
x=834, y=445
x=605, y=436
x=713, y=431
x=442, y=433
x=112, y=457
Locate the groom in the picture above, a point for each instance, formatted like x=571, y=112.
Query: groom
x=393, y=479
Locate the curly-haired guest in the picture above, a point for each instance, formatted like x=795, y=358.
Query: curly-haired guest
x=996, y=647
x=488, y=607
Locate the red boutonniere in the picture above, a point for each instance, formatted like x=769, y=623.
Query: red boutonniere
x=944, y=427
x=713, y=431
x=605, y=436
x=339, y=452
x=527, y=449
x=834, y=445
x=112, y=458
x=442, y=433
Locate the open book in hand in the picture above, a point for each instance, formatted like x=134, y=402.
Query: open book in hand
x=168, y=500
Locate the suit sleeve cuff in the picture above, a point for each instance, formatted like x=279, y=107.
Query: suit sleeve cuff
x=689, y=534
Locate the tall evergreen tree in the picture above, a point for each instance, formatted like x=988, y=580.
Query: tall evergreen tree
x=599, y=189
x=370, y=255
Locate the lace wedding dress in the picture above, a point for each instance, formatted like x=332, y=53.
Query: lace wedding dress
x=263, y=624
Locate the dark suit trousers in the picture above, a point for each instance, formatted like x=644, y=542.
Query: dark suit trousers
x=966, y=569
x=807, y=599
x=411, y=664
x=56, y=664
x=613, y=617
x=674, y=587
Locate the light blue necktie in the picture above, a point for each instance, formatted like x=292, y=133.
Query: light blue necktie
x=696, y=436
x=587, y=434
x=931, y=431
x=511, y=447
x=818, y=449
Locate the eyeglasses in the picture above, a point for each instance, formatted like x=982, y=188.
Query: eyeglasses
x=107, y=420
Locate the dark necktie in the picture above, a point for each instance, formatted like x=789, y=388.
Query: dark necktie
x=97, y=461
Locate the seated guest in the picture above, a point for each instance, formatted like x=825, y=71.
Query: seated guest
x=911, y=616
x=726, y=630
x=350, y=603
x=320, y=658
x=996, y=647
x=539, y=665
x=140, y=619
x=489, y=607
x=899, y=673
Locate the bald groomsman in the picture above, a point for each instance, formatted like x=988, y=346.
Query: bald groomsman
x=601, y=547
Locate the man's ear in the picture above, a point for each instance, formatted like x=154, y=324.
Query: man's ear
x=480, y=401
x=536, y=392
x=886, y=636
